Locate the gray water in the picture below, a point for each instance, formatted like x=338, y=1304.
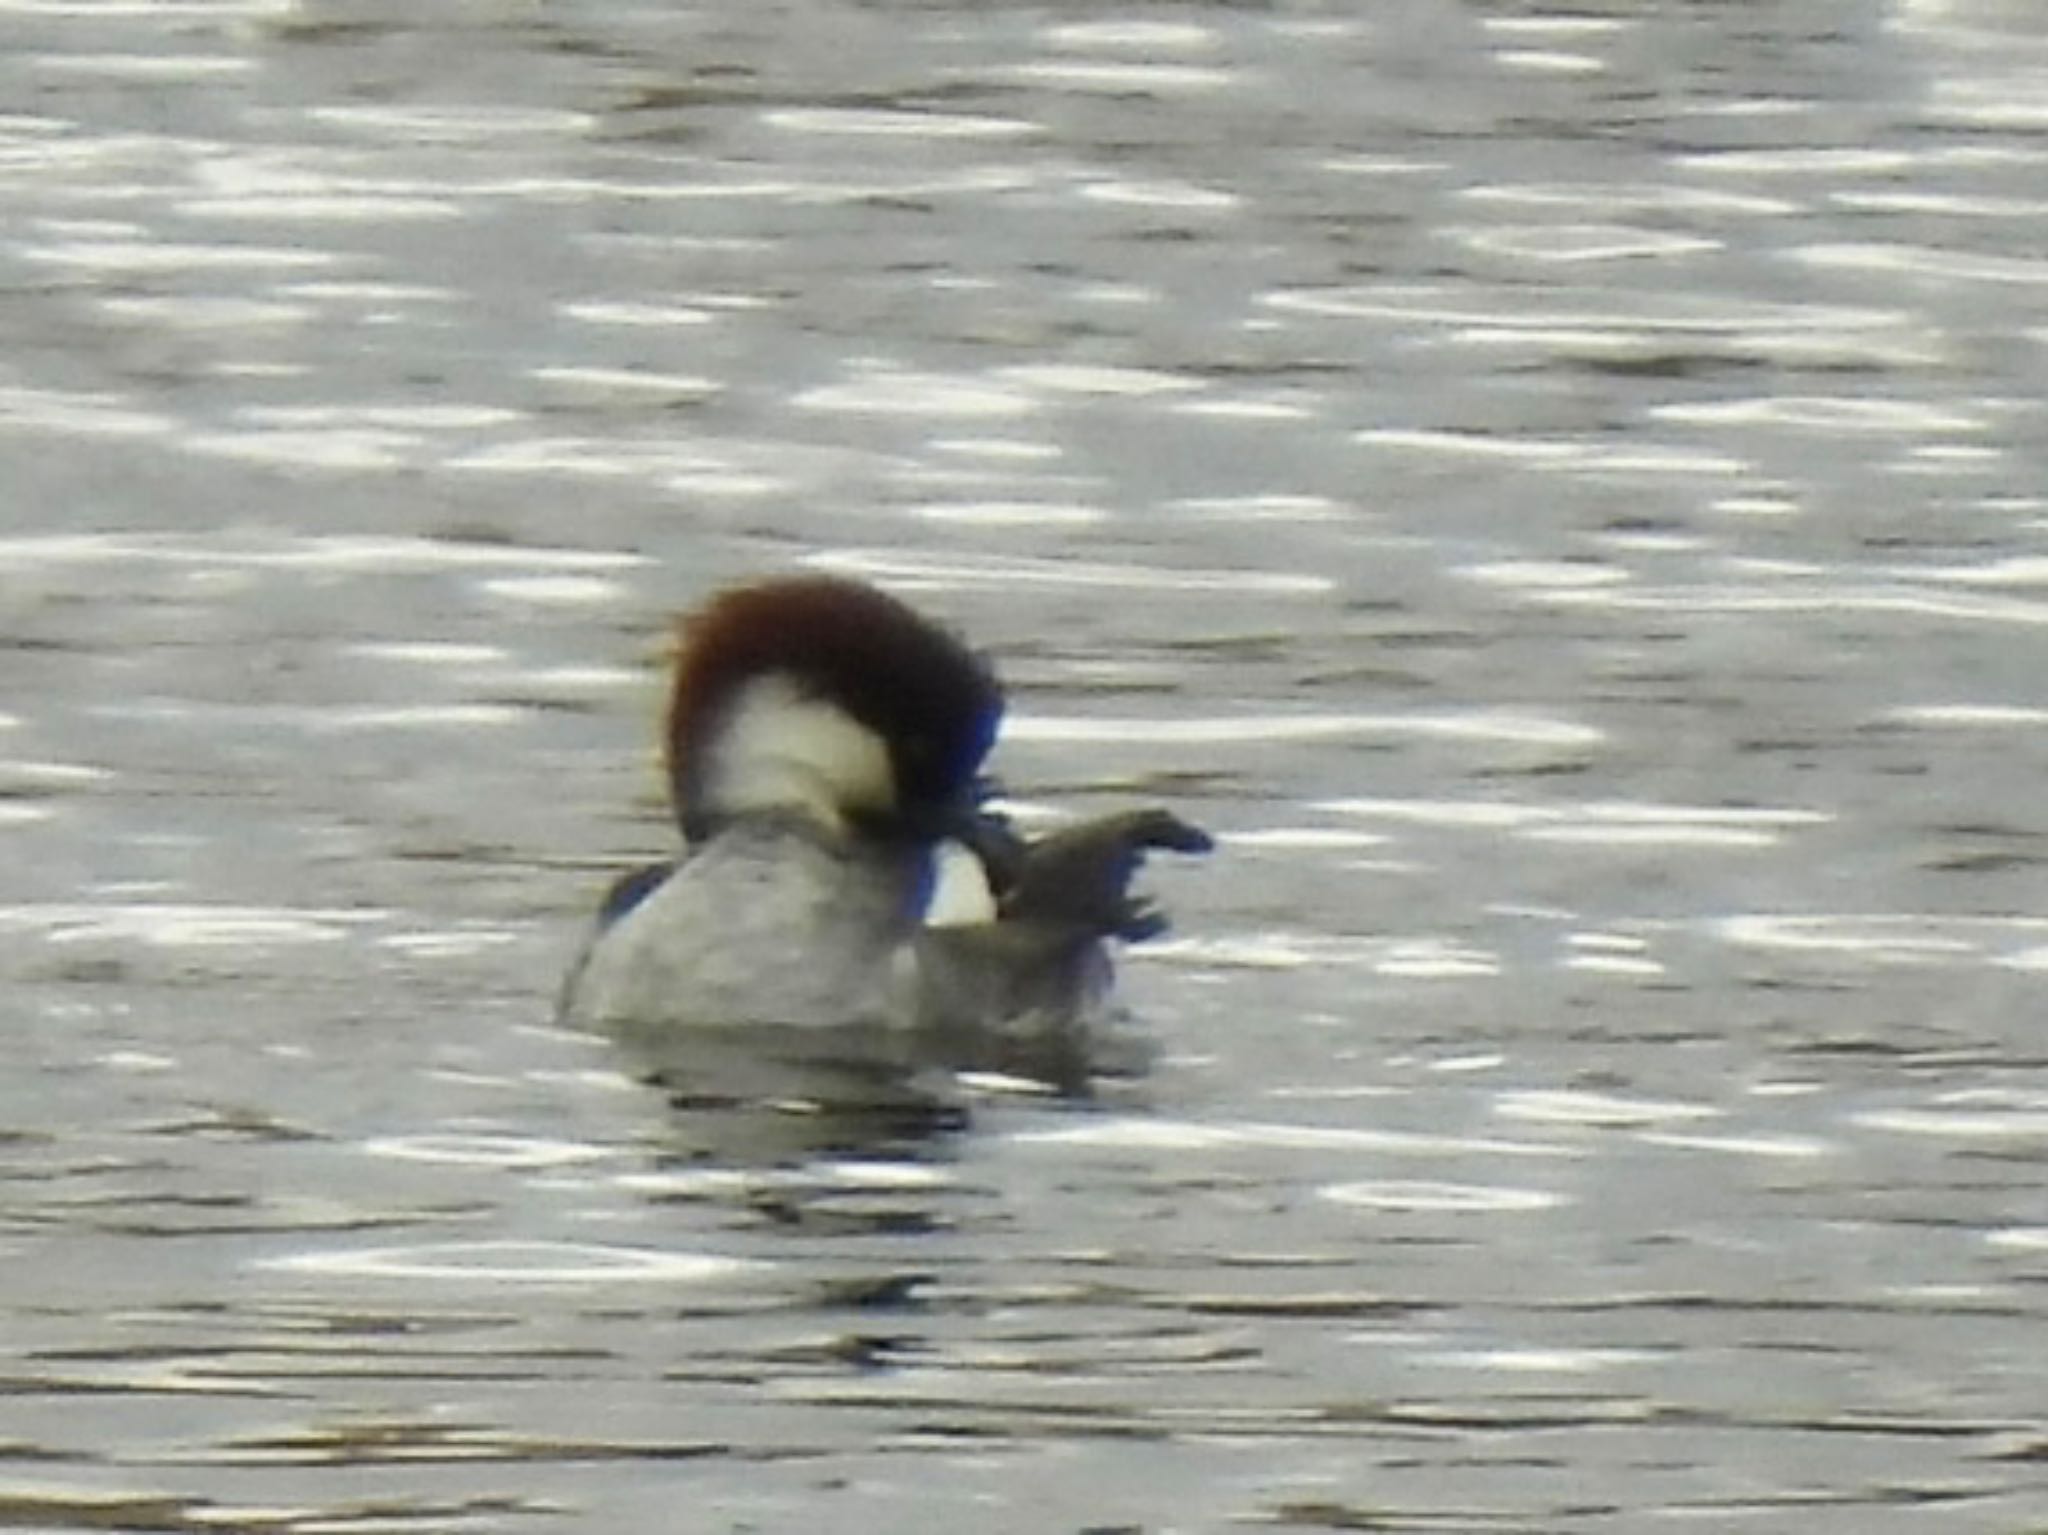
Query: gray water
x=1559, y=491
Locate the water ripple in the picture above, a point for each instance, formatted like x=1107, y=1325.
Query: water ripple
x=1453, y=1198
x=1886, y=938
x=340, y=552
x=848, y=123
x=476, y=1149
x=1188, y=1135
x=173, y=925
x=1500, y=726
x=1012, y=571
x=519, y=1263
x=1597, y=1110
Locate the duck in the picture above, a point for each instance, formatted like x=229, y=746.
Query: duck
x=840, y=863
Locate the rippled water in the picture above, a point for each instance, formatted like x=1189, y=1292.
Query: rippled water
x=1559, y=490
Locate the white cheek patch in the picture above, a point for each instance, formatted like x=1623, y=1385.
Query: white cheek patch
x=960, y=892
x=778, y=748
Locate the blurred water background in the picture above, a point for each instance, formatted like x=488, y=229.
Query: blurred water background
x=1559, y=488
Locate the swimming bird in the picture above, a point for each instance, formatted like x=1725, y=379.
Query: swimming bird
x=824, y=749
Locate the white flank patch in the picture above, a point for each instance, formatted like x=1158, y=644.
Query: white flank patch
x=960, y=893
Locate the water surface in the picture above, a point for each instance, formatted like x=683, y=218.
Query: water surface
x=1558, y=490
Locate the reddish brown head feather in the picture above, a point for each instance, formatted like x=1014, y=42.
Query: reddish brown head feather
x=925, y=693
